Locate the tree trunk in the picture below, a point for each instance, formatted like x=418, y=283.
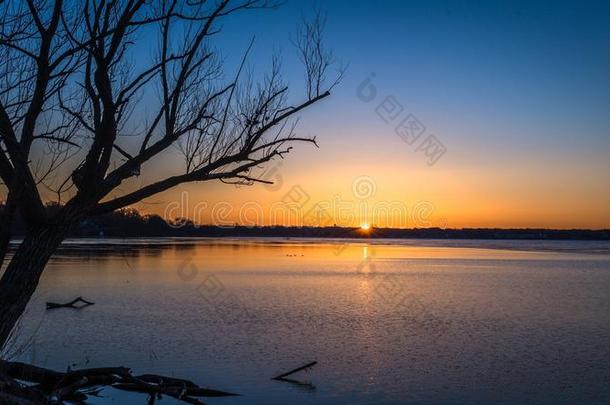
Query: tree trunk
x=23, y=273
x=6, y=219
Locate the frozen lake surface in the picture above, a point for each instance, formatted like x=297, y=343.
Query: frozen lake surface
x=418, y=321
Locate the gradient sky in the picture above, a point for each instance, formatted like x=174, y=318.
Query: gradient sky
x=518, y=93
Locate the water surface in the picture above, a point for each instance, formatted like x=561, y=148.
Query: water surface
x=388, y=321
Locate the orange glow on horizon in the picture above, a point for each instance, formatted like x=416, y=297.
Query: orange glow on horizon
x=459, y=192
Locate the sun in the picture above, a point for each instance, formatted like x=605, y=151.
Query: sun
x=365, y=227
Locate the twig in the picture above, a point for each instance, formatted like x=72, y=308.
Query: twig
x=308, y=365
x=71, y=304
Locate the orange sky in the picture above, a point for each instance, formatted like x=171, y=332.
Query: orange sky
x=464, y=189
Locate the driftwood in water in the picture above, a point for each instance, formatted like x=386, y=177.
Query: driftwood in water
x=56, y=387
x=12, y=392
x=71, y=304
x=306, y=366
x=302, y=385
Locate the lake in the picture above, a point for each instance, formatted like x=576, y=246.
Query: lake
x=389, y=321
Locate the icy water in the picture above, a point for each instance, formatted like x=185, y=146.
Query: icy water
x=389, y=322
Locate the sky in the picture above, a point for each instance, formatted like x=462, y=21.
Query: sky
x=516, y=95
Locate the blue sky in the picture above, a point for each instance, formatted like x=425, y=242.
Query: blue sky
x=518, y=93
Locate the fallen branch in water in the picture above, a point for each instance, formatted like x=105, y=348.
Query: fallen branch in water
x=12, y=392
x=306, y=366
x=71, y=304
x=50, y=386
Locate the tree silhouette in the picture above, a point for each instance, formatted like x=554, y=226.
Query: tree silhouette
x=84, y=108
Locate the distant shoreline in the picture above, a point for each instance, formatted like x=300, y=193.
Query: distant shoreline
x=130, y=223
x=192, y=231
x=393, y=233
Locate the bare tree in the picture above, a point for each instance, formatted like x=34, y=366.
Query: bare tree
x=73, y=76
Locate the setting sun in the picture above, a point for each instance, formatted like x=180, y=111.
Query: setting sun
x=365, y=227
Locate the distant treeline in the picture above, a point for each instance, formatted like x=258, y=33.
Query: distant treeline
x=130, y=223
